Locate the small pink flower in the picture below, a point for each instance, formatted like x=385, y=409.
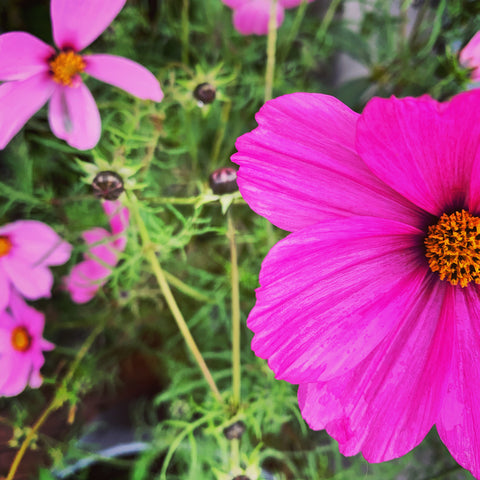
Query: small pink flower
x=35, y=73
x=104, y=250
x=21, y=347
x=252, y=16
x=372, y=304
x=470, y=56
x=27, y=249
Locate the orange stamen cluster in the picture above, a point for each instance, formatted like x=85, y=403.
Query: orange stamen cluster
x=5, y=245
x=66, y=66
x=453, y=248
x=21, y=339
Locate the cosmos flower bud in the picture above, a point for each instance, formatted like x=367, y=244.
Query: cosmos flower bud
x=107, y=185
x=223, y=180
x=235, y=430
x=205, y=93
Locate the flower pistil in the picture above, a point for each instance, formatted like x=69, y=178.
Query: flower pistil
x=453, y=248
x=5, y=245
x=65, y=66
x=21, y=339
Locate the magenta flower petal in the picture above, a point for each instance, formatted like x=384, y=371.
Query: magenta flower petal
x=470, y=56
x=32, y=283
x=329, y=296
x=418, y=147
x=101, y=247
x=4, y=289
x=22, y=55
x=298, y=165
x=20, y=100
x=76, y=24
x=36, y=243
x=125, y=74
x=386, y=405
x=119, y=220
x=459, y=420
x=85, y=279
x=253, y=17
x=73, y=116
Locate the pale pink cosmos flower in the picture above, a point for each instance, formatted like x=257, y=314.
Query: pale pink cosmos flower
x=27, y=249
x=470, y=56
x=21, y=346
x=104, y=249
x=35, y=73
x=372, y=304
x=252, y=16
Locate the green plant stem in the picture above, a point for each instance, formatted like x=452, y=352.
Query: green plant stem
x=236, y=361
x=185, y=31
x=57, y=401
x=292, y=34
x=327, y=19
x=169, y=298
x=271, y=51
x=224, y=116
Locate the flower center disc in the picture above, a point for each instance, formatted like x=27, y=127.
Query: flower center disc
x=453, y=248
x=5, y=245
x=66, y=66
x=21, y=339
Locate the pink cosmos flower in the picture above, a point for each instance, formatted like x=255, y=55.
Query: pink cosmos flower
x=35, y=73
x=372, y=303
x=252, y=16
x=27, y=249
x=104, y=250
x=470, y=56
x=21, y=347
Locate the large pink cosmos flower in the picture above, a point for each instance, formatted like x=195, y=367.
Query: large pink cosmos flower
x=27, y=249
x=252, y=16
x=470, y=56
x=372, y=303
x=21, y=347
x=103, y=253
x=35, y=73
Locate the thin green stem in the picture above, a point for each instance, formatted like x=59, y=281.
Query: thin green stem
x=327, y=19
x=185, y=31
x=292, y=34
x=271, y=51
x=57, y=401
x=169, y=298
x=236, y=361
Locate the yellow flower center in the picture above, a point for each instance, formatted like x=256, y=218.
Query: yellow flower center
x=21, y=339
x=453, y=248
x=5, y=245
x=66, y=66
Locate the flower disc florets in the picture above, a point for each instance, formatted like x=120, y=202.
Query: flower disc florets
x=21, y=339
x=65, y=67
x=453, y=248
x=5, y=245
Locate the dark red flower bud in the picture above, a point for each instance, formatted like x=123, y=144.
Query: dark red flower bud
x=235, y=430
x=107, y=185
x=205, y=93
x=223, y=180
x=241, y=477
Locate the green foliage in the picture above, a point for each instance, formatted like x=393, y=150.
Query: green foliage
x=165, y=153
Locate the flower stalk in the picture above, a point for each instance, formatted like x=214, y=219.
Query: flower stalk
x=271, y=51
x=168, y=295
x=236, y=362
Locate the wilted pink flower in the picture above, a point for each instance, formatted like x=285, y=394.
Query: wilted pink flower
x=372, y=303
x=35, y=73
x=470, y=56
x=104, y=250
x=252, y=16
x=27, y=249
x=21, y=346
